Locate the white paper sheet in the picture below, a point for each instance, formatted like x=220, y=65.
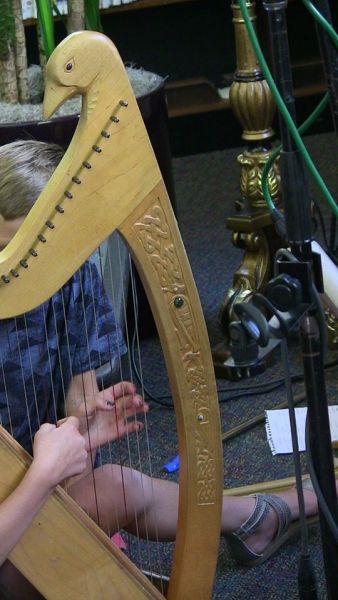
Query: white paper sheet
x=278, y=429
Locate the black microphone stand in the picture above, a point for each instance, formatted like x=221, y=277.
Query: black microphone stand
x=297, y=211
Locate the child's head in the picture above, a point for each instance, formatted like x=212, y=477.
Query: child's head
x=25, y=168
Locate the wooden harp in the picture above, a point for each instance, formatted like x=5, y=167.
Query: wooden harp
x=63, y=553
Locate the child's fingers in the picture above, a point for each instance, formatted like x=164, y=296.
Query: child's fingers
x=133, y=426
x=86, y=408
x=130, y=406
x=70, y=420
x=45, y=427
x=107, y=401
x=123, y=388
x=133, y=409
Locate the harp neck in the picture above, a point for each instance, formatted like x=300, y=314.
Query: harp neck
x=111, y=156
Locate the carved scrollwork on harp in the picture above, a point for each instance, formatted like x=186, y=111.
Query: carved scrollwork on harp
x=153, y=232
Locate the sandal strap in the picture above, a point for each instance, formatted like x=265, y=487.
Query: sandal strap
x=257, y=516
x=282, y=511
x=264, y=502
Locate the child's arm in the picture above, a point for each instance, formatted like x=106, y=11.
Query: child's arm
x=59, y=452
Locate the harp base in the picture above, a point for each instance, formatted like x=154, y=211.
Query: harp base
x=160, y=582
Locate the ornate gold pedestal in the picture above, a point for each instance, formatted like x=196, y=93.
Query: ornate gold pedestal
x=253, y=232
x=332, y=330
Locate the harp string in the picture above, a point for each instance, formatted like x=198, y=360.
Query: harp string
x=29, y=340
x=110, y=352
x=25, y=395
x=57, y=335
x=125, y=332
x=85, y=399
x=91, y=392
x=143, y=461
x=55, y=365
x=32, y=372
x=136, y=337
x=97, y=453
x=50, y=417
x=135, y=435
x=67, y=347
x=3, y=372
x=147, y=459
x=10, y=428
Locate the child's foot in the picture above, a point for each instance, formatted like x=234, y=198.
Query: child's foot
x=273, y=520
x=268, y=529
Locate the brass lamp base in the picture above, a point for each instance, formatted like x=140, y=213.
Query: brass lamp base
x=226, y=368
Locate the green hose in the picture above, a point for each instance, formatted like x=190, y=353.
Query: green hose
x=322, y=22
x=265, y=173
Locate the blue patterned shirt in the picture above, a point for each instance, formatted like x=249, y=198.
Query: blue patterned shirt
x=40, y=351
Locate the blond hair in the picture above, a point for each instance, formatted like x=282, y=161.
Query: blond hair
x=25, y=168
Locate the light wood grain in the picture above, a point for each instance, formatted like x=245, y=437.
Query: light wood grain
x=122, y=190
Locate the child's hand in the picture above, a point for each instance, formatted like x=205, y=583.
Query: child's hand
x=59, y=452
x=114, y=414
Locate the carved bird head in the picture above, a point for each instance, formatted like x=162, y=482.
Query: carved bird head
x=73, y=66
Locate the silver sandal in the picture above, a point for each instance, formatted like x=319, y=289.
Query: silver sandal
x=286, y=528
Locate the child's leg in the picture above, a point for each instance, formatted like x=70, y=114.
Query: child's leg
x=125, y=498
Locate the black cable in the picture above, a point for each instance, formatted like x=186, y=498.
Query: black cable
x=307, y=587
x=254, y=390
x=314, y=480
x=318, y=211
